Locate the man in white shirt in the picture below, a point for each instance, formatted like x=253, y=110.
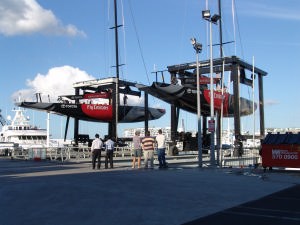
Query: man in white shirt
x=161, y=148
x=96, y=147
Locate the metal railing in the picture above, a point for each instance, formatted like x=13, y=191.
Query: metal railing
x=250, y=157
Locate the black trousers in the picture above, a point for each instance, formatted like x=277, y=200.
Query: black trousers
x=96, y=155
x=109, y=156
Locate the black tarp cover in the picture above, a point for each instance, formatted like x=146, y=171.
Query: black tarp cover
x=287, y=138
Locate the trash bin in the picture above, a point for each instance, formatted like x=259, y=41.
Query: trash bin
x=37, y=154
x=281, y=150
x=30, y=154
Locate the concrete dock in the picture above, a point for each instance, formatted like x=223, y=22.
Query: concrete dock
x=52, y=193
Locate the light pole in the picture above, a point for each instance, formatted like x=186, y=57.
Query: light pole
x=198, y=48
x=211, y=19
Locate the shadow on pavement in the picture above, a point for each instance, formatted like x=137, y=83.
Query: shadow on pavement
x=280, y=208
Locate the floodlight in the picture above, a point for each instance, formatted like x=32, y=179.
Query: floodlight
x=193, y=41
x=206, y=14
x=197, y=46
x=215, y=18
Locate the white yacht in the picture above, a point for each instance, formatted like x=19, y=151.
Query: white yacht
x=18, y=132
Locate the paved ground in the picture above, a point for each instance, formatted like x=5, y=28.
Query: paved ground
x=280, y=208
x=51, y=193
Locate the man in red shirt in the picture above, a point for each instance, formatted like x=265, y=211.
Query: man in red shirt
x=148, y=145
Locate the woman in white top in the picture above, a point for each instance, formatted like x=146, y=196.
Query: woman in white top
x=137, y=150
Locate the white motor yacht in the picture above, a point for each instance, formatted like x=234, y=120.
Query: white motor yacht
x=19, y=132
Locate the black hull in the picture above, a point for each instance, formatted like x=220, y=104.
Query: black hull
x=186, y=99
x=94, y=112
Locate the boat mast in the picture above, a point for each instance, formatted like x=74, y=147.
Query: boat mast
x=220, y=32
x=116, y=40
x=219, y=117
x=114, y=126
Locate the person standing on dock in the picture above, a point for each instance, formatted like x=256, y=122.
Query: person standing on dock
x=148, y=145
x=161, y=148
x=137, y=151
x=109, y=148
x=96, y=147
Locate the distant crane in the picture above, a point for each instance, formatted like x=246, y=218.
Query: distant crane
x=2, y=120
x=182, y=125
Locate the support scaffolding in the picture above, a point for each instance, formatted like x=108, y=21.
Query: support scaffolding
x=185, y=73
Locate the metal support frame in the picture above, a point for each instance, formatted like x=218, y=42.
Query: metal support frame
x=174, y=120
x=174, y=125
x=233, y=64
x=102, y=85
x=261, y=105
x=76, y=121
x=237, y=117
x=146, y=104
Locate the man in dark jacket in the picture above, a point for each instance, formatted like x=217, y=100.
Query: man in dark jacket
x=109, y=147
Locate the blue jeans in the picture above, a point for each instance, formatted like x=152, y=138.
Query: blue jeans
x=161, y=157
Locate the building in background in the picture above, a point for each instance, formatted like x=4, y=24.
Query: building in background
x=129, y=132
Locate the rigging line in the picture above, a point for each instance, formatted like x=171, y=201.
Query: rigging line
x=139, y=43
x=124, y=38
x=103, y=7
x=207, y=32
x=237, y=22
x=227, y=88
x=233, y=23
x=183, y=30
x=253, y=103
x=107, y=41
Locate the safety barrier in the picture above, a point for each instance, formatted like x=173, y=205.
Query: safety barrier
x=250, y=157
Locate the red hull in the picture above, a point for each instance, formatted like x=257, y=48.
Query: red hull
x=98, y=112
x=218, y=100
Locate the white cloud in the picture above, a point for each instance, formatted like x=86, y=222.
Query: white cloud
x=58, y=81
x=271, y=102
x=18, y=17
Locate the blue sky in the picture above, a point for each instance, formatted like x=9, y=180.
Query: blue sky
x=46, y=46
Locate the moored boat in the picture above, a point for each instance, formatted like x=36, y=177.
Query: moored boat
x=186, y=98
x=18, y=132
